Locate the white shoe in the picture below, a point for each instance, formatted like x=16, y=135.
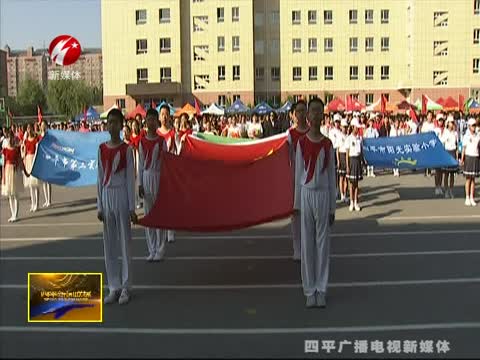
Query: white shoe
x=11, y=219
x=158, y=257
x=447, y=194
x=171, y=238
x=45, y=204
x=124, y=297
x=342, y=198
x=311, y=301
x=373, y=175
x=472, y=202
x=320, y=300
x=440, y=191
x=150, y=258
x=357, y=207
x=351, y=207
x=111, y=298
x=139, y=206
x=467, y=202
x=451, y=194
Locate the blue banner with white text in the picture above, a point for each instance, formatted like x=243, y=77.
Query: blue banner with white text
x=68, y=158
x=418, y=151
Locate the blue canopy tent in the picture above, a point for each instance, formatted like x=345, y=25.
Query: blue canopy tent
x=262, y=109
x=172, y=109
x=92, y=115
x=285, y=108
x=238, y=107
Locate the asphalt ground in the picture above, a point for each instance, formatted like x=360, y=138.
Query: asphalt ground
x=405, y=268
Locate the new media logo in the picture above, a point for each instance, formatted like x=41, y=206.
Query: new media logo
x=64, y=50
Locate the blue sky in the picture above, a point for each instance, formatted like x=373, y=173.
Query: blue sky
x=37, y=22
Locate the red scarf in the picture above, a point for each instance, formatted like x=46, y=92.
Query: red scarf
x=108, y=154
x=147, y=146
x=310, y=151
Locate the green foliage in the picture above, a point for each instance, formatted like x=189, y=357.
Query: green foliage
x=68, y=97
x=30, y=94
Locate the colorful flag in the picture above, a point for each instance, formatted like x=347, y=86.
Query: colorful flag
x=197, y=108
x=383, y=104
x=461, y=103
x=413, y=114
x=39, y=114
x=424, y=104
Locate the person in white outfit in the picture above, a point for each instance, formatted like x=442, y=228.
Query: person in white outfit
x=370, y=133
x=439, y=130
x=315, y=195
x=32, y=183
x=354, y=146
x=449, y=139
x=342, y=161
x=149, y=163
x=116, y=208
x=294, y=134
x=394, y=132
x=334, y=135
x=471, y=161
x=47, y=188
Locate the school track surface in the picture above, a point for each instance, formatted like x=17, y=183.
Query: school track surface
x=413, y=273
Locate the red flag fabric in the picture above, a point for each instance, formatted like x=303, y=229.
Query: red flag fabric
x=413, y=115
x=349, y=103
x=182, y=203
x=39, y=114
x=85, y=114
x=383, y=104
x=461, y=102
x=244, y=152
x=424, y=104
x=197, y=108
x=153, y=105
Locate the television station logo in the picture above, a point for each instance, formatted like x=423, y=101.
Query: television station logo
x=64, y=50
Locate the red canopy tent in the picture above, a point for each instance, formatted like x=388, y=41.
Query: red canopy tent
x=336, y=105
x=354, y=104
x=138, y=110
x=441, y=101
x=450, y=104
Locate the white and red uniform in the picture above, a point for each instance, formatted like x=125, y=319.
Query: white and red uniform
x=116, y=200
x=135, y=143
x=11, y=160
x=169, y=137
x=30, y=151
x=315, y=196
x=149, y=164
x=293, y=136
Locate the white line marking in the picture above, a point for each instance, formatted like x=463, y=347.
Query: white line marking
x=258, y=237
x=221, y=258
x=246, y=331
x=439, y=217
x=286, y=286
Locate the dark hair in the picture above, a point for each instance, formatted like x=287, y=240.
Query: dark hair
x=298, y=103
x=165, y=106
x=316, y=100
x=152, y=112
x=115, y=114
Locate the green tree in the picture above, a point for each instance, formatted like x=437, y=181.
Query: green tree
x=30, y=94
x=68, y=97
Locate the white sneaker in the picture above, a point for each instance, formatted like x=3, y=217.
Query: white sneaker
x=373, y=174
x=11, y=219
x=351, y=207
x=320, y=300
x=171, y=238
x=440, y=191
x=447, y=194
x=158, y=257
x=342, y=198
x=45, y=204
x=111, y=298
x=150, y=258
x=472, y=202
x=451, y=194
x=467, y=202
x=357, y=207
x=124, y=297
x=311, y=301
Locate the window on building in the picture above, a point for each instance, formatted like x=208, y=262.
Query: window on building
x=165, y=74
x=386, y=96
x=235, y=43
x=368, y=99
x=353, y=16
x=142, y=46
x=476, y=36
x=368, y=16
x=313, y=73
x=353, y=72
x=259, y=18
x=327, y=17
x=199, y=52
x=312, y=45
x=274, y=45
x=221, y=73
x=259, y=47
x=260, y=73
x=199, y=22
x=369, y=72
x=328, y=44
x=297, y=73
x=165, y=45
x=385, y=17
x=440, y=18
x=440, y=48
x=297, y=98
x=368, y=44
x=312, y=16
x=142, y=76
x=120, y=103
x=297, y=45
x=275, y=20
x=220, y=15
x=275, y=100
x=476, y=66
x=221, y=43
x=275, y=73
x=476, y=7
x=164, y=15
x=236, y=97
x=141, y=17
x=236, y=72
x=296, y=17
x=353, y=44
x=222, y=99
x=328, y=98
x=385, y=72
x=235, y=14
x=385, y=44
x=328, y=72
x=440, y=78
